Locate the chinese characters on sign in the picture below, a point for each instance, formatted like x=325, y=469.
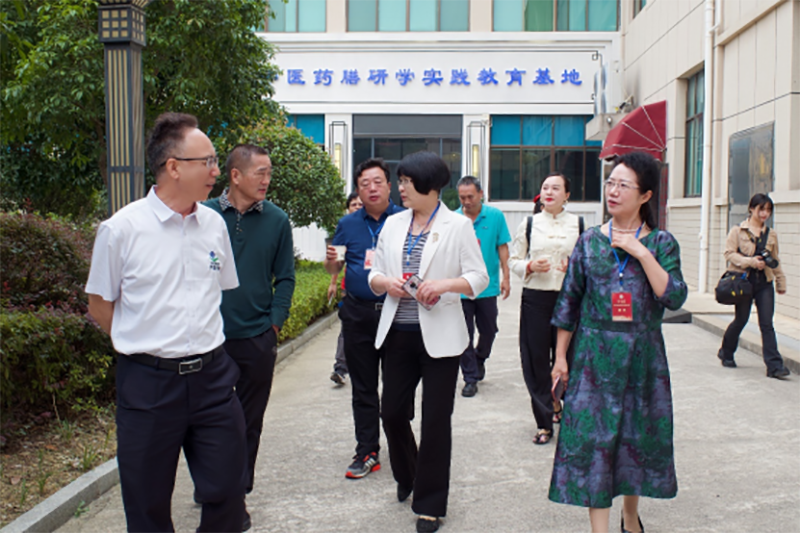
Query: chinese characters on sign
x=432, y=77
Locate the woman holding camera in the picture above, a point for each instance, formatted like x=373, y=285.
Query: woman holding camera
x=752, y=248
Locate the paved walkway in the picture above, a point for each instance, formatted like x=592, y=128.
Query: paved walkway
x=737, y=438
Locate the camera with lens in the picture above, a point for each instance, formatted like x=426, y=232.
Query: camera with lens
x=768, y=259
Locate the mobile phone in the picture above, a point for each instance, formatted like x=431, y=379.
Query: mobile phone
x=412, y=285
x=558, y=389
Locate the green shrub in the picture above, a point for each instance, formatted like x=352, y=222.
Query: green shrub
x=50, y=356
x=310, y=298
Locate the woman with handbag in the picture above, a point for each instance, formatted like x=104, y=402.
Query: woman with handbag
x=539, y=255
x=616, y=434
x=752, y=249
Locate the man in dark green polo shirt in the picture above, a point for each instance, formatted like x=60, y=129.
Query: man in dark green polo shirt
x=261, y=238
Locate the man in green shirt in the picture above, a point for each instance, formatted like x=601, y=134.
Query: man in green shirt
x=253, y=313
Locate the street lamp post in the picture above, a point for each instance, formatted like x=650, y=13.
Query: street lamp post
x=121, y=28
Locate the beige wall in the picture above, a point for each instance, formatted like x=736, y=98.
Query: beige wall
x=757, y=81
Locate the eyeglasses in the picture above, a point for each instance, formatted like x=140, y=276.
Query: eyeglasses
x=211, y=161
x=623, y=185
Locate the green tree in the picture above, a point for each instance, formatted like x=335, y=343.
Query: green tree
x=305, y=183
x=201, y=58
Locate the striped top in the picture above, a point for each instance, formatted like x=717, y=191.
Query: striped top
x=408, y=309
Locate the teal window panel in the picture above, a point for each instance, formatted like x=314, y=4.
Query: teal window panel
x=392, y=15
x=312, y=126
x=312, y=16
x=571, y=15
x=278, y=23
x=291, y=16
x=507, y=15
x=361, y=15
x=454, y=15
x=422, y=16
x=506, y=130
x=569, y=130
x=537, y=130
x=602, y=15
x=539, y=15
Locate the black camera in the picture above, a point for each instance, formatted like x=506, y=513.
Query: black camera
x=768, y=259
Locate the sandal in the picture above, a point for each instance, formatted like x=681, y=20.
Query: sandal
x=542, y=437
x=557, y=413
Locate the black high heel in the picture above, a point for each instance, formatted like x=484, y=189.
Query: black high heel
x=622, y=524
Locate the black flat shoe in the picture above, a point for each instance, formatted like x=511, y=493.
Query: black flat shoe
x=728, y=363
x=403, y=493
x=781, y=373
x=427, y=526
x=622, y=524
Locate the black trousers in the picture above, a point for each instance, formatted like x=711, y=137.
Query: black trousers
x=764, y=296
x=483, y=313
x=537, y=344
x=255, y=358
x=158, y=413
x=425, y=469
x=359, y=327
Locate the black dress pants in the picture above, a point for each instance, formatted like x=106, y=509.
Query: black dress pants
x=481, y=312
x=537, y=342
x=255, y=358
x=159, y=412
x=359, y=327
x=426, y=469
x=764, y=296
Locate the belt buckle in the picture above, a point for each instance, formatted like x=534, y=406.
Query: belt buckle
x=379, y=306
x=190, y=367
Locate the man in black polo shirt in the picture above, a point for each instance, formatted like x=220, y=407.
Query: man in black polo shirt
x=361, y=309
x=261, y=238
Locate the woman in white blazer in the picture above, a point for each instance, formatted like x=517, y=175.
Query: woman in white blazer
x=439, y=246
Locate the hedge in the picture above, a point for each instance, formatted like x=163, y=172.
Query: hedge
x=310, y=298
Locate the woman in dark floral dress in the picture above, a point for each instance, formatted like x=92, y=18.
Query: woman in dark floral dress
x=616, y=434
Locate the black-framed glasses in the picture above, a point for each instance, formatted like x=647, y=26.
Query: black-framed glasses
x=211, y=161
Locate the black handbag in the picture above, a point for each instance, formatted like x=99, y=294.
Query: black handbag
x=733, y=288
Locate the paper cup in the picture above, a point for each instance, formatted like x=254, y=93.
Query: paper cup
x=340, y=251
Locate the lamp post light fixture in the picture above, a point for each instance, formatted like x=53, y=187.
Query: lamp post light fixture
x=121, y=29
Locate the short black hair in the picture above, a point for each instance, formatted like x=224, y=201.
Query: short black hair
x=648, y=173
x=350, y=197
x=567, y=183
x=240, y=156
x=469, y=180
x=166, y=137
x=760, y=200
x=427, y=171
x=372, y=162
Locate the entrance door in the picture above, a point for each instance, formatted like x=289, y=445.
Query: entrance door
x=749, y=169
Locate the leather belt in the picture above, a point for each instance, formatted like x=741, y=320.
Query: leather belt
x=181, y=365
x=372, y=304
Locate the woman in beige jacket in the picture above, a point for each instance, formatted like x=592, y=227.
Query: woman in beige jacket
x=752, y=248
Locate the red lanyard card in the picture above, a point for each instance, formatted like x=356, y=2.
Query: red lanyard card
x=369, y=257
x=621, y=307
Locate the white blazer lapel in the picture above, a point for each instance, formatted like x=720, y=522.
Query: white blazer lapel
x=441, y=225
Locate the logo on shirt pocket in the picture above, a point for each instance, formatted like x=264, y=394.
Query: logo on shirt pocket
x=214, y=263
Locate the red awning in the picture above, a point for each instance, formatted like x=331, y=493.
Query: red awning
x=642, y=130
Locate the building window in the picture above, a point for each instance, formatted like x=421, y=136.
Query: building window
x=296, y=16
x=638, y=5
x=525, y=149
x=407, y=15
x=561, y=15
x=312, y=126
x=695, y=104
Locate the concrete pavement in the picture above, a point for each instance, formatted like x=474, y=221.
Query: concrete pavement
x=737, y=438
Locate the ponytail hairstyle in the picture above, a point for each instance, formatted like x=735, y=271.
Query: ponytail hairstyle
x=537, y=204
x=647, y=170
x=758, y=201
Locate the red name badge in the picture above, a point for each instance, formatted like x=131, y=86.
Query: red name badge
x=407, y=275
x=621, y=307
x=369, y=256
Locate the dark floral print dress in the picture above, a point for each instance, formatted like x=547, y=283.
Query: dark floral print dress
x=616, y=433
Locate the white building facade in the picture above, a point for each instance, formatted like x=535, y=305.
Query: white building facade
x=501, y=89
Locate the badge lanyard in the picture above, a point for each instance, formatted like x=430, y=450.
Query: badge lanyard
x=621, y=264
x=375, y=234
x=421, y=233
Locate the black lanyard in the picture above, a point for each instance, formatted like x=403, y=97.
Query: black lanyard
x=421, y=233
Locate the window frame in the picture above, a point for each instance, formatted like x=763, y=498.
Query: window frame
x=268, y=18
x=555, y=17
x=693, y=184
x=638, y=6
x=553, y=149
x=408, y=19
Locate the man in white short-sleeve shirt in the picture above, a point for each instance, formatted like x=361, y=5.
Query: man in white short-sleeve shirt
x=158, y=271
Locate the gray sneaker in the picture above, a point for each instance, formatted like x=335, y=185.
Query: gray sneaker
x=361, y=466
